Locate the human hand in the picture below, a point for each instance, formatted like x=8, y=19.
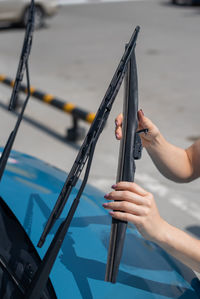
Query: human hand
x=143, y=123
x=133, y=204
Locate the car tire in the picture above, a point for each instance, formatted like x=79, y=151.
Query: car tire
x=39, y=17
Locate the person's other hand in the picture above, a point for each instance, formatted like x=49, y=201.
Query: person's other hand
x=143, y=123
x=129, y=202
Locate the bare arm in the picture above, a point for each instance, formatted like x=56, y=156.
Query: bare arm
x=182, y=246
x=175, y=163
x=134, y=204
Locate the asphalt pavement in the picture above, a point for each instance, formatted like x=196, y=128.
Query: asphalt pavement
x=74, y=58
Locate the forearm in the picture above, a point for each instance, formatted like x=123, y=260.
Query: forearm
x=173, y=162
x=180, y=245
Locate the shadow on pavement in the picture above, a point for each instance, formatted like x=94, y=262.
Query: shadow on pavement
x=45, y=129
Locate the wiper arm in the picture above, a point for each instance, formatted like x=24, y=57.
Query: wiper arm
x=95, y=129
x=23, y=65
x=40, y=278
x=86, y=154
x=130, y=150
x=24, y=55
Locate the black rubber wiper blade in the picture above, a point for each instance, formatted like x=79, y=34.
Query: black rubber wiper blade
x=40, y=278
x=86, y=154
x=97, y=125
x=130, y=150
x=24, y=55
x=23, y=65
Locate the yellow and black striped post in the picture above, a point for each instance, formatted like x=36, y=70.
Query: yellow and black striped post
x=67, y=107
x=75, y=132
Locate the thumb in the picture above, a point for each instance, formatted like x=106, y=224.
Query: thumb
x=144, y=122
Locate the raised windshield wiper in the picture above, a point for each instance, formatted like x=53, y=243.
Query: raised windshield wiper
x=93, y=133
x=23, y=62
x=23, y=65
x=130, y=150
x=85, y=154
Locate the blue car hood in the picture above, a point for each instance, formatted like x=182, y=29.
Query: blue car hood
x=31, y=187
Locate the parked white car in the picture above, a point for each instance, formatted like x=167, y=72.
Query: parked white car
x=186, y=2
x=16, y=11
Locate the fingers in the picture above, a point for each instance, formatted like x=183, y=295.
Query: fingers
x=140, y=114
x=127, y=200
x=118, y=128
x=126, y=196
x=119, y=120
x=126, y=207
x=129, y=186
x=144, y=122
x=125, y=217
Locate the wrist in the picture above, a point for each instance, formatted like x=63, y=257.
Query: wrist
x=167, y=237
x=161, y=235
x=155, y=143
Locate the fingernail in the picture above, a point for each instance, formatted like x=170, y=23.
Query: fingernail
x=142, y=111
x=105, y=204
x=111, y=213
x=106, y=196
x=114, y=186
x=117, y=136
x=116, y=122
x=138, y=116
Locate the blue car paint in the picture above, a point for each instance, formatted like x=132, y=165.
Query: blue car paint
x=30, y=188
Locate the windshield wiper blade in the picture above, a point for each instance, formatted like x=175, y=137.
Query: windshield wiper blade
x=97, y=125
x=40, y=278
x=130, y=150
x=86, y=154
x=23, y=65
x=26, y=48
